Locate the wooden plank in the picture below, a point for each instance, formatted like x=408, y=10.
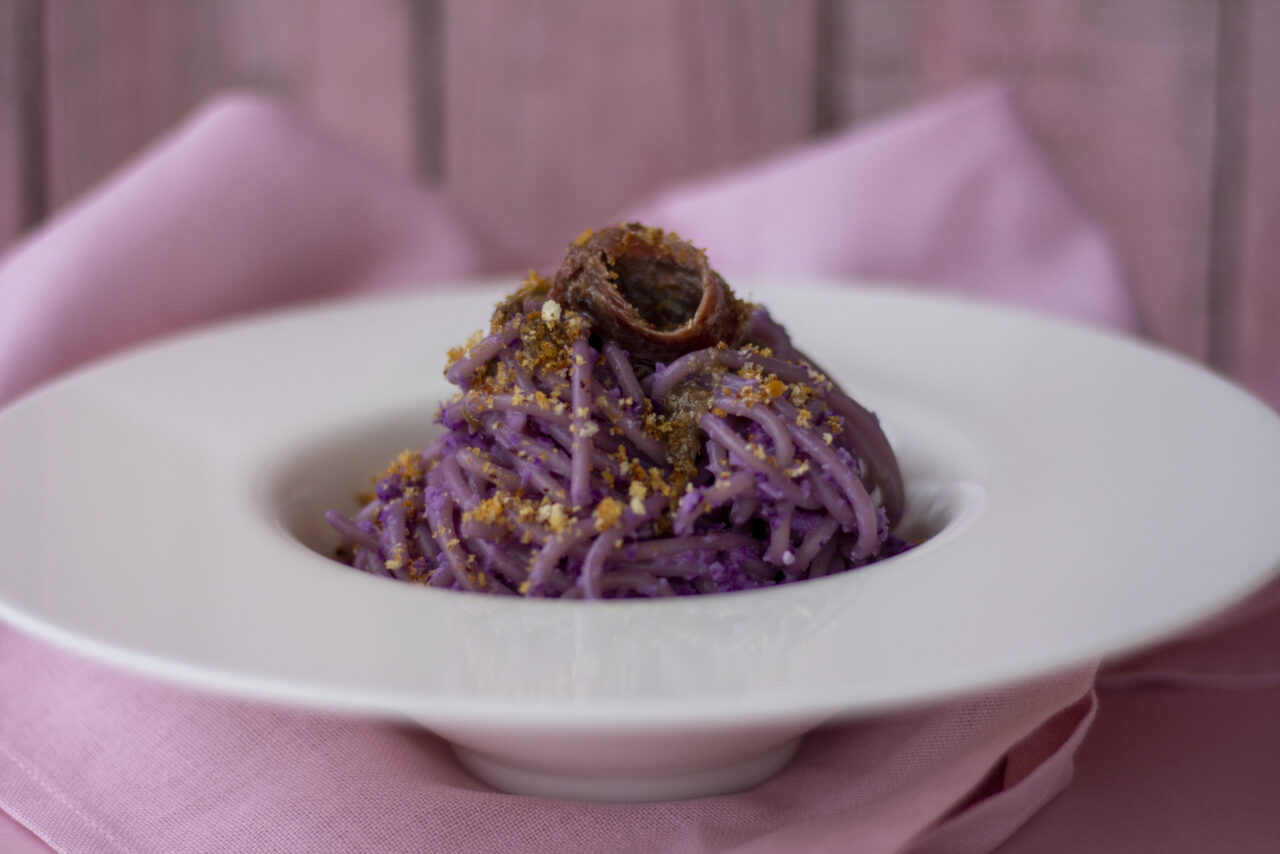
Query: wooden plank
x=1119, y=96
x=1255, y=326
x=22, y=173
x=558, y=114
x=122, y=72
x=345, y=64
x=1130, y=129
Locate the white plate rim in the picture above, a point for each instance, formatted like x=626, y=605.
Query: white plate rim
x=631, y=711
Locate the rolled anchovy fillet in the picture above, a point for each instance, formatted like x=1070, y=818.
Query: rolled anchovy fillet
x=650, y=293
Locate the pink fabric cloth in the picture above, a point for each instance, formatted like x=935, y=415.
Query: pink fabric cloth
x=951, y=197
x=243, y=208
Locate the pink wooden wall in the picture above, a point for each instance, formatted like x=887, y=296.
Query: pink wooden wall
x=1159, y=115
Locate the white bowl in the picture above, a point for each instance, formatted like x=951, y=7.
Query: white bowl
x=1084, y=494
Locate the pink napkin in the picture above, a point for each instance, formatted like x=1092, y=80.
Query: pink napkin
x=243, y=208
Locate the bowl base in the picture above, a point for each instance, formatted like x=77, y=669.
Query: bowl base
x=720, y=779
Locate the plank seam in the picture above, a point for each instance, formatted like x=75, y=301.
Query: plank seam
x=1231, y=89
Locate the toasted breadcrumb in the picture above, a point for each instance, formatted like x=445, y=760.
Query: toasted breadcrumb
x=608, y=512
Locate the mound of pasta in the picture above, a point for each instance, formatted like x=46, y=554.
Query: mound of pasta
x=630, y=428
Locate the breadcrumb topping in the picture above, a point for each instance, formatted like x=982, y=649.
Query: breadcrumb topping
x=535, y=377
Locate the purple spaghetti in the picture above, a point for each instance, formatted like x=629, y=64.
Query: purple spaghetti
x=631, y=429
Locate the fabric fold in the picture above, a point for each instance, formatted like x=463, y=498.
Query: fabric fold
x=243, y=207
x=952, y=197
